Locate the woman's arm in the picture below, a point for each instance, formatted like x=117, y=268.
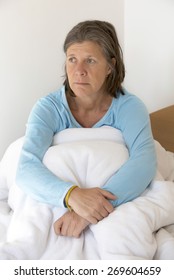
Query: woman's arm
x=137, y=173
x=35, y=179
x=32, y=176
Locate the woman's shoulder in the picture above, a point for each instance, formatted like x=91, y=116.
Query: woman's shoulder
x=54, y=101
x=129, y=96
x=130, y=100
x=129, y=104
x=51, y=103
x=54, y=97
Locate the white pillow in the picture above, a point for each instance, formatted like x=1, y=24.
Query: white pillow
x=86, y=156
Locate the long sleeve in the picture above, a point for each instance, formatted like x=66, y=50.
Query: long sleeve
x=51, y=114
x=136, y=174
x=32, y=176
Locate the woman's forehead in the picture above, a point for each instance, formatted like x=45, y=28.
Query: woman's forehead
x=88, y=47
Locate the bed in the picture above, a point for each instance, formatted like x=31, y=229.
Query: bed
x=162, y=122
x=142, y=229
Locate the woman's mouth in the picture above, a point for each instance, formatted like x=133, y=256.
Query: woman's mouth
x=81, y=83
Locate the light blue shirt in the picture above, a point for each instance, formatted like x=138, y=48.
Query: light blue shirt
x=52, y=114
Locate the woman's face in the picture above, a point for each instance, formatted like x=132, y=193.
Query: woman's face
x=87, y=68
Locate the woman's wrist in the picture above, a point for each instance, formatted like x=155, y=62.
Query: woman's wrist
x=66, y=199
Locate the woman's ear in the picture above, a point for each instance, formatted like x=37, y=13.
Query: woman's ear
x=113, y=62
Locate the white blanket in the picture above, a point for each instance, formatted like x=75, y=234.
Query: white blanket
x=141, y=229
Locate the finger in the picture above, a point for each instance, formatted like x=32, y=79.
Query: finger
x=108, y=195
x=57, y=227
x=95, y=215
x=104, y=212
x=108, y=206
x=70, y=229
x=103, y=206
x=64, y=229
x=77, y=231
x=91, y=219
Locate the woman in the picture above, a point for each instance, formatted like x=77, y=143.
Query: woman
x=92, y=96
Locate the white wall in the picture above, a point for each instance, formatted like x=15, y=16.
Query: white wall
x=31, y=56
x=32, y=61
x=149, y=51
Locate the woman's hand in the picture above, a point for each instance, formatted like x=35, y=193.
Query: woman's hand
x=91, y=204
x=70, y=224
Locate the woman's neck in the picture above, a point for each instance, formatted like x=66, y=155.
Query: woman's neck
x=88, y=112
x=101, y=103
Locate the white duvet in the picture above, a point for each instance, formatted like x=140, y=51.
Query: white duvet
x=140, y=229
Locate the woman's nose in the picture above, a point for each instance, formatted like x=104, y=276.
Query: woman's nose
x=80, y=69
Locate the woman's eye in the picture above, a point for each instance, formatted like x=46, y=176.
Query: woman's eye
x=90, y=61
x=72, y=59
